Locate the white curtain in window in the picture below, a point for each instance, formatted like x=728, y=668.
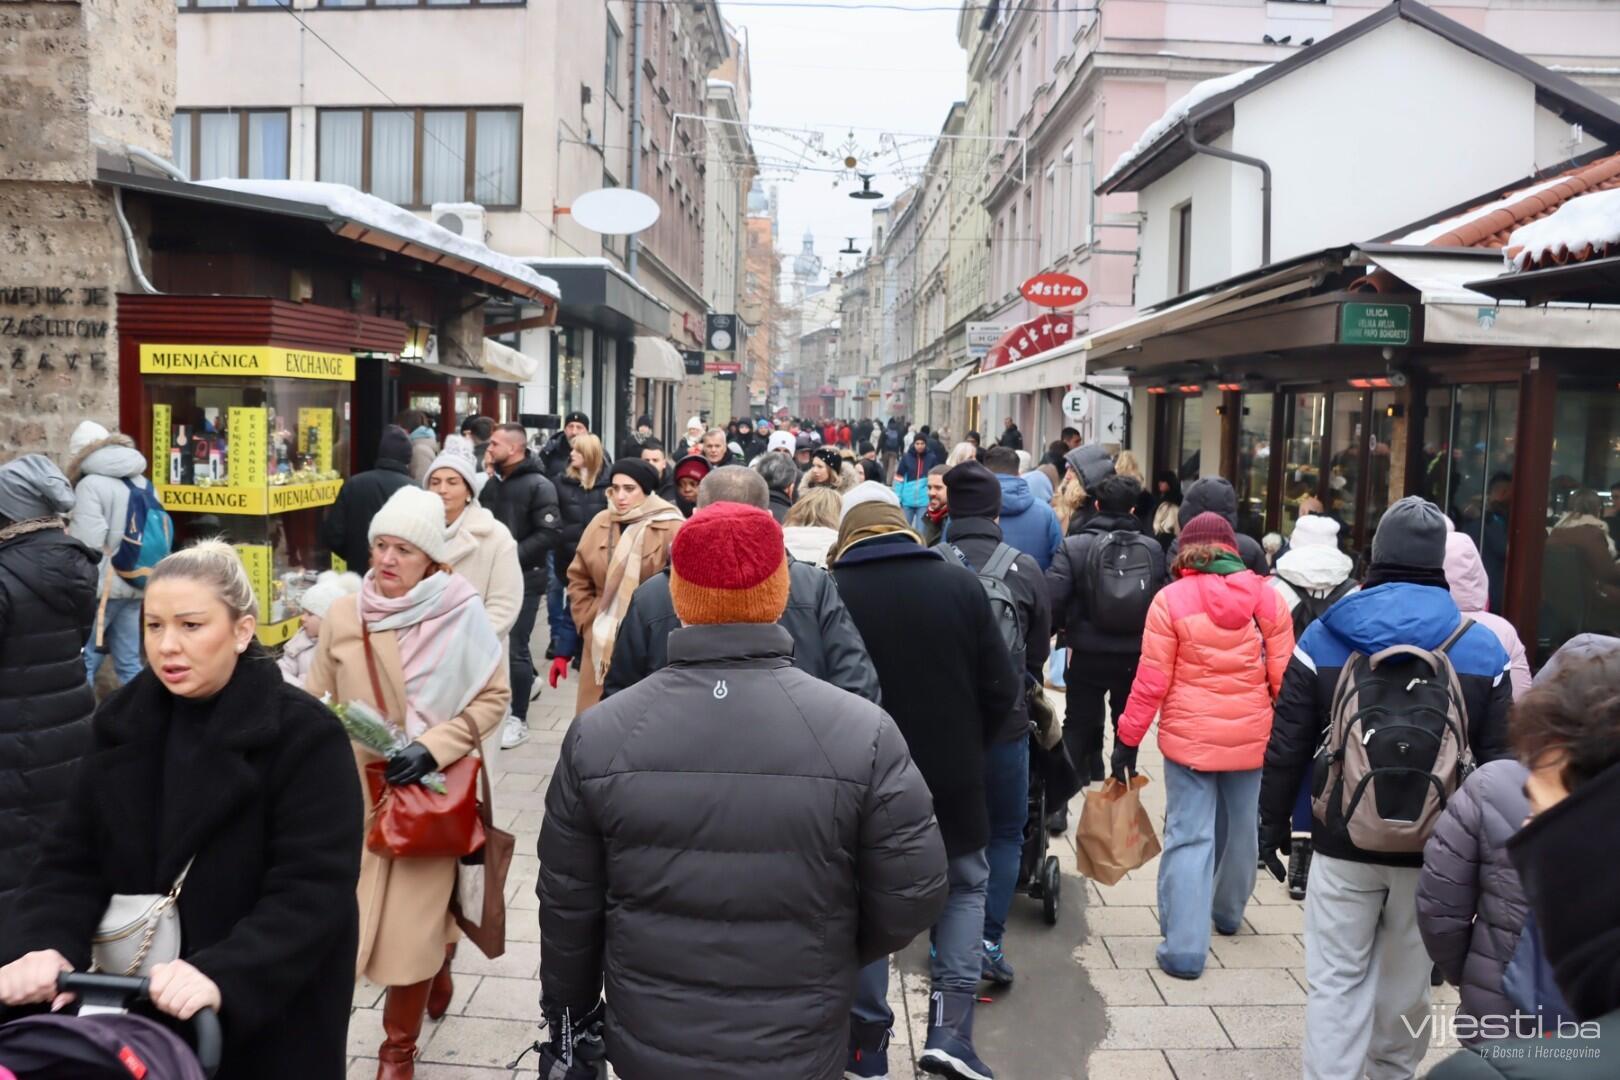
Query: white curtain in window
x=393, y=152
x=340, y=149
x=267, y=145
x=219, y=146
x=181, y=152
x=444, y=157
x=496, y=157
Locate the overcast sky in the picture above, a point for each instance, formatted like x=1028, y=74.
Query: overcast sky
x=878, y=72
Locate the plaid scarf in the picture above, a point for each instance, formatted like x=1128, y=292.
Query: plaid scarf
x=623, y=573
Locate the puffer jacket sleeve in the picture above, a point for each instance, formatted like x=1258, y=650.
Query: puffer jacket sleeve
x=901, y=863
x=844, y=658
x=632, y=649
x=544, y=521
x=1296, y=727
x=1518, y=669
x=1277, y=628
x=1038, y=638
x=1488, y=734
x=1448, y=888
x=572, y=888
x=91, y=522
x=1061, y=583
x=1153, y=675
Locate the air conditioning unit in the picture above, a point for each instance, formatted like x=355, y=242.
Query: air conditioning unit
x=464, y=219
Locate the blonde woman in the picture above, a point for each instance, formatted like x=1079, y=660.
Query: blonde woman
x=1070, y=496
x=812, y=525
x=962, y=451
x=1127, y=465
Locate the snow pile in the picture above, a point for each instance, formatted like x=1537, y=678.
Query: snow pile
x=1429, y=233
x=1580, y=226
x=1178, y=112
x=375, y=213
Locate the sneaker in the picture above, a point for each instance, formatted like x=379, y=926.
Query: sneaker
x=994, y=967
x=514, y=732
x=868, y=1051
x=949, y=1050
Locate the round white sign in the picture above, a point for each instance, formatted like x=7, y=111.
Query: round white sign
x=1076, y=403
x=614, y=211
x=721, y=340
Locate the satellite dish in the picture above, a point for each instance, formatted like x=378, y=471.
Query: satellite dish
x=615, y=211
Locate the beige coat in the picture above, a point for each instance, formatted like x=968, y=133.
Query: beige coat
x=588, y=574
x=405, y=920
x=483, y=552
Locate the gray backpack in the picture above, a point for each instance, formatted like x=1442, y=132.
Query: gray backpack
x=1003, y=605
x=1396, y=748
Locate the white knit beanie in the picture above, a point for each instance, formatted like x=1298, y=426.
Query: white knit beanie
x=86, y=434
x=319, y=597
x=867, y=491
x=416, y=517
x=1315, y=530
x=781, y=440
x=458, y=455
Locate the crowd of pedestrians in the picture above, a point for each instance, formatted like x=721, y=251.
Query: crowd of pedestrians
x=808, y=659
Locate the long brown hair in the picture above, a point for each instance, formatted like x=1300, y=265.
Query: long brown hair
x=1197, y=557
x=590, y=456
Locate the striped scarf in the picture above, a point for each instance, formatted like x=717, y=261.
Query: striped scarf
x=623, y=574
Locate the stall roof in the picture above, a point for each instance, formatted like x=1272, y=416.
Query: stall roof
x=954, y=379
x=657, y=359
x=507, y=364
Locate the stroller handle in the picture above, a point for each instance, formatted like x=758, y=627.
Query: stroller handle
x=126, y=988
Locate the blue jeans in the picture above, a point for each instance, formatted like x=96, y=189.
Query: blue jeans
x=914, y=516
x=957, y=960
x=121, y=638
x=1006, y=790
x=1211, y=848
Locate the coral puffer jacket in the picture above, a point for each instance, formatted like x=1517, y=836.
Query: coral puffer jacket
x=1213, y=656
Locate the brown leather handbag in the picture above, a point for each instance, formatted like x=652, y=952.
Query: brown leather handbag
x=479, y=902
x=412, y=821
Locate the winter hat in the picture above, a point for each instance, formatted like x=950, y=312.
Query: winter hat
x=1092, y=464
x=577, y=417
x=33, y=487
x=781, y=440
x=1411, y=533
x=867, y=491
x=86, y=435
x=696, y=466
x=644, y=421
x=645, y=476
x=395, y=445
x=416, y=517
x=319, y=597
x=803, y=442
x=728, y=564
x=694, y=422
x=457, y=455
x=1315, y=530
x=1209, y=528
x=830, y=458
x=971, y=490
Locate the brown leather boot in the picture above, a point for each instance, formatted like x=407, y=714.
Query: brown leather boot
x=403, y=1009
x=439, y=998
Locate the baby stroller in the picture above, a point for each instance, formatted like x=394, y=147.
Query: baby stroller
x=1052, y=780
x=105, y=1042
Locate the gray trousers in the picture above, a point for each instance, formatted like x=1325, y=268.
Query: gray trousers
x=1367, y=1013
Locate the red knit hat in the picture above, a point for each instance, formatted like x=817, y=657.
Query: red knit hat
x=1209, y=528
x=728, y=565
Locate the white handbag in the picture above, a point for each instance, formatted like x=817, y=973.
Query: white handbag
x=138, y=931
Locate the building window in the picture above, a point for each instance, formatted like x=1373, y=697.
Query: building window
x=1051, y=238
x=1067, y=181
x=1181, y=247
x=1088, y=177
x=615, y=46
x=418, y=157
x=231, y=144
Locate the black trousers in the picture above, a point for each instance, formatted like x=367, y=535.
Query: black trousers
x=1089, y=679
x=521, y=665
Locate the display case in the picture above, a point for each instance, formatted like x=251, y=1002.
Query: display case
x=249, y=443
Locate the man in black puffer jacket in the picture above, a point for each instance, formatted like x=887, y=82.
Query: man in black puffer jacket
x=728, y=841
x=1216, y=494
x=346, y=526
x=47, y=607
x=826, y=644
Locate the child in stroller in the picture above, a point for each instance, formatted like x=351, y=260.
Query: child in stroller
x=104, y=1041
x=1052, y=783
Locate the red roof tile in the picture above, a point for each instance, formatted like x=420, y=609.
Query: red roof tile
x=1493, y=229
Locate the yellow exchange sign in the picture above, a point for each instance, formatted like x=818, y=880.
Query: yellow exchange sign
x=264, y=361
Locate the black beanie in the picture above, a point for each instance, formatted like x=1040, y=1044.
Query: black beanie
x=395, y=445
x=971, y=490
x=645, y=476
x=1412, y=533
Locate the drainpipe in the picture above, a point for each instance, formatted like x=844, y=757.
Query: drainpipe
x=631, y=247
x=1198, y=147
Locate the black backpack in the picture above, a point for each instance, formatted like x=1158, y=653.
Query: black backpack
x=1003, y=605
x=891, y=440
x=1310, y=608
x=1120, y=582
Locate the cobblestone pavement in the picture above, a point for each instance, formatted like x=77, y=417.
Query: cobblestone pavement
x=1089, y=1001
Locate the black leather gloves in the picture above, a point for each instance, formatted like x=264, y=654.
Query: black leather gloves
x=410, y=765
x=1276, y=843
x=1123, y=762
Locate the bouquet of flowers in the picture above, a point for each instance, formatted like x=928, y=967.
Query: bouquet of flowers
x=378, y=734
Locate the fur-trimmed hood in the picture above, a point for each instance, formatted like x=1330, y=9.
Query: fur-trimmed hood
x=129, y=461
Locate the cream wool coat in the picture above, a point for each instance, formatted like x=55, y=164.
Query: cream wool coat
x=588, y=574
x=483, y=552
x=405, y=920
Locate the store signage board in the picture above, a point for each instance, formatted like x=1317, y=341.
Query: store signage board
x=1055, y=290
x=722, y=364
x=693, y=359
x=264, y=361
x=249, y=501
x=1075, y=403
x=982, y=337
x=162, y=434
x=720, y=332
x=1375, y=324
x=247, y=462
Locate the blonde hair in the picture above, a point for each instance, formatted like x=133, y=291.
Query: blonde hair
x=213, y=563
x=590, y=456
x=1070, y=494
x=962, y=451
x=1127, y=465
x=818, y=506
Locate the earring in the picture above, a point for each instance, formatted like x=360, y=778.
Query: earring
x=241, y=648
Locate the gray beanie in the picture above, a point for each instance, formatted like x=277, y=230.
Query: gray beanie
x=1411, y=533
x=33, y=487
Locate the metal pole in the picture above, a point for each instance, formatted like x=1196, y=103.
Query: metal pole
x=1124, y=400
x=1242, y=159
x=631, y=246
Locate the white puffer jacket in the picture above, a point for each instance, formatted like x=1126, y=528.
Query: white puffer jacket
x=100, y=464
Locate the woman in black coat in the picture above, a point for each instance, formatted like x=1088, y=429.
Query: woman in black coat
x=47, y=605
x=209, y=756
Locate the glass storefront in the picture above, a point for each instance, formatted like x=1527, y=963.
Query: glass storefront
x=1468, y=453
x=1344, y=464
x=1184, y=434
x=568, y=380
x=1580, y=578
x=1305, y=425
x=1254, y=462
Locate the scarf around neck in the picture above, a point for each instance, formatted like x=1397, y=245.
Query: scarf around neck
x=624, y=573
x=1227, y=562
x=868, y=520
x=447, y=646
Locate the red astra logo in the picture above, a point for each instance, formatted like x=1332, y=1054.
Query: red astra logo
x=1055, y=290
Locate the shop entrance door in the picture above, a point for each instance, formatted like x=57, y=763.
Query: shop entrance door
x=1338, y=446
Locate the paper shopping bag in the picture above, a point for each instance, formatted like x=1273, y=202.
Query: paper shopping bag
x=1116, y=835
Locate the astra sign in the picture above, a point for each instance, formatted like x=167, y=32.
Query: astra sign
x=1044, y=331
x=1054, y=290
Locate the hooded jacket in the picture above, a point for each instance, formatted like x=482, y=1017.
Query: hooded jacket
x=1313, y=569
x=1213, y=656
x=345, y=527
x=732, y=808
x=1092, y=464
x=526, y=503
x=1216, y=495
x=977, y=538
x=1068, y=583
x=1465, y=573
x=101, y=502
x=809, y=543
x=1367, y=622
x=1028, y=525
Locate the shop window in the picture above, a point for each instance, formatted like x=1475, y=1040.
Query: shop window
x=465, y=155
x=1580, y=580
x=1381, y=449
x=1468, y=454
x=1306, y=426
x=1181, y=244
x=1344, y=463
x=1254, y=462
x=1184, y=430
x=216, y=144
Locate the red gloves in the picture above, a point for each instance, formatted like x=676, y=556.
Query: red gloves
x=559, y=669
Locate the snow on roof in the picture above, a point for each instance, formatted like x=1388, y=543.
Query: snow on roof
x=1429, y=233
x=609, y=265
x=1178, y=112
x=722, y=84
x=368, y=210
x=1577, y=228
